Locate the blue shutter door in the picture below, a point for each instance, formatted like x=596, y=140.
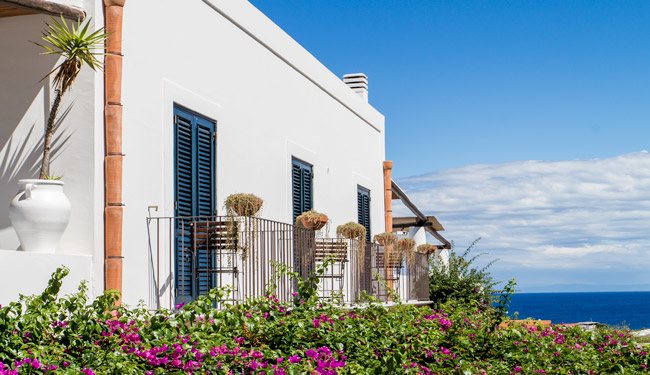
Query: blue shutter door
x=363, y=209
x=301, y=187
x=195, y=154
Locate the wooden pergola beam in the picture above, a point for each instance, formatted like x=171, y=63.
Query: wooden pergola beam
x=398, y=193
x=12, y=8
x=407, y=222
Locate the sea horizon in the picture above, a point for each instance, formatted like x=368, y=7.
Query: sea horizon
x=585, y=291
x=629, y=309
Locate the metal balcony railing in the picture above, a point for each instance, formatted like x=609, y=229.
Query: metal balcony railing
x=190, y=255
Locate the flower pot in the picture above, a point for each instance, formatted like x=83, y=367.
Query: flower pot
x=39, y=214
x=314, y=225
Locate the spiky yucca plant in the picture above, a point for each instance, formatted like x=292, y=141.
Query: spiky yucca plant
x=78, y=46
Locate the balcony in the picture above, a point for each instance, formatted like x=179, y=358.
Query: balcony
x=251, y=257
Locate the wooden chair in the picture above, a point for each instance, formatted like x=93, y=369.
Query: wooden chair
x=215, y=236
x=335, y=249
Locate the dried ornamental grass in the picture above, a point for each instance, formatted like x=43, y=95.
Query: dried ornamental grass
x=386, y=238
x=312, y=220
x=406, y=247
x=427, y=248
x=243, y=204
x=389, y=241
x=357, y=233
x=351, y=231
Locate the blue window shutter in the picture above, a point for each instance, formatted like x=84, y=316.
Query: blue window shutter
x=363, y=210
x=301, y=187
x=296, y=191
x=307, y=180
x=205, y=188
x=184, y=206
x=195, y=151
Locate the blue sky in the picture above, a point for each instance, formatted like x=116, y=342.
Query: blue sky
x=498, y=83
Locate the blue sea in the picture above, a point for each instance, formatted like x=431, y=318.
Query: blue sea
x=629, y=309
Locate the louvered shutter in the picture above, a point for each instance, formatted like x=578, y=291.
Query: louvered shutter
x=296, y=190
x=363, y=210
x=205, y=188
x=301, y=187
x=195, y=189
x=184, y=207
x=307, y=198
x=302, y=199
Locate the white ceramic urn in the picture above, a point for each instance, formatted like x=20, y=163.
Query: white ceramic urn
x=39, y=214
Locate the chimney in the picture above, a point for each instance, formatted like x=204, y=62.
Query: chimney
x=358, y=82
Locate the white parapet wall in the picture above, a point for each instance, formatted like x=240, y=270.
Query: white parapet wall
x=28, y=273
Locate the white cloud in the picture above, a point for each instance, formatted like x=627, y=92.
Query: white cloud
x=539, y=215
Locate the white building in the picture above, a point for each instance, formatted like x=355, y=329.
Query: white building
x=214, y=67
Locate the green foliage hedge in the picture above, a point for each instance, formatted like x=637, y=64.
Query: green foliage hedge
x=71, y=335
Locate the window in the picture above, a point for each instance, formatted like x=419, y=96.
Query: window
x=301, y=187
x=363, y=209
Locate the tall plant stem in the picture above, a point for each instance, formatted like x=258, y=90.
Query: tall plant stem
x=49, y=132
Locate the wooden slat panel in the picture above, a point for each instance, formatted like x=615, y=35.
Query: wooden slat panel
x=336, y=250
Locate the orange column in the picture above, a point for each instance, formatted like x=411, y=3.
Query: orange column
x=388, y=210
x=388, y=195
x=113, y=211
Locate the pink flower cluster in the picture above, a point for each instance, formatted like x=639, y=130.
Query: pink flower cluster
x=322, y=318
x=32, y=363
x=441, y=318
x=322, y=360
x=128, y=333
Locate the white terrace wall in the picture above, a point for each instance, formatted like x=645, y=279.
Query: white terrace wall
x=24, y=107
x=271, y=99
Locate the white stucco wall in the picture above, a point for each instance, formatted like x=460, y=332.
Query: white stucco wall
x=28, y=273
x=24, y=105
x=267, y=110
x=224, y=59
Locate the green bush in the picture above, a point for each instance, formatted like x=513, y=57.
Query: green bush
x=461, y=281
x=47, y=334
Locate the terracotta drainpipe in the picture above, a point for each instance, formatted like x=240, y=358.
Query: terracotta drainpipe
x=388, y=207
x=388, y=195
x=113, y=155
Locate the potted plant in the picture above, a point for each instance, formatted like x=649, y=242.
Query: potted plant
x=406, y=247
x=427, y=248
x=311, y=219
x=243, y=204
x=357, y=234
x=241, y=208
x=386, y=239
x=40, y=212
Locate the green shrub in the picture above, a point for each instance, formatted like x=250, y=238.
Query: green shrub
x=47, y=334
x=461, y=281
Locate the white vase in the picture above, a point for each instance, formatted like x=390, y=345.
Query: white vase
x=39, y=214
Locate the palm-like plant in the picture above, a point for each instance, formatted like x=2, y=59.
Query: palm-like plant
x=78, y=46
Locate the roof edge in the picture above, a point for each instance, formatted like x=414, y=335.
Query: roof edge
x=50, y=7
